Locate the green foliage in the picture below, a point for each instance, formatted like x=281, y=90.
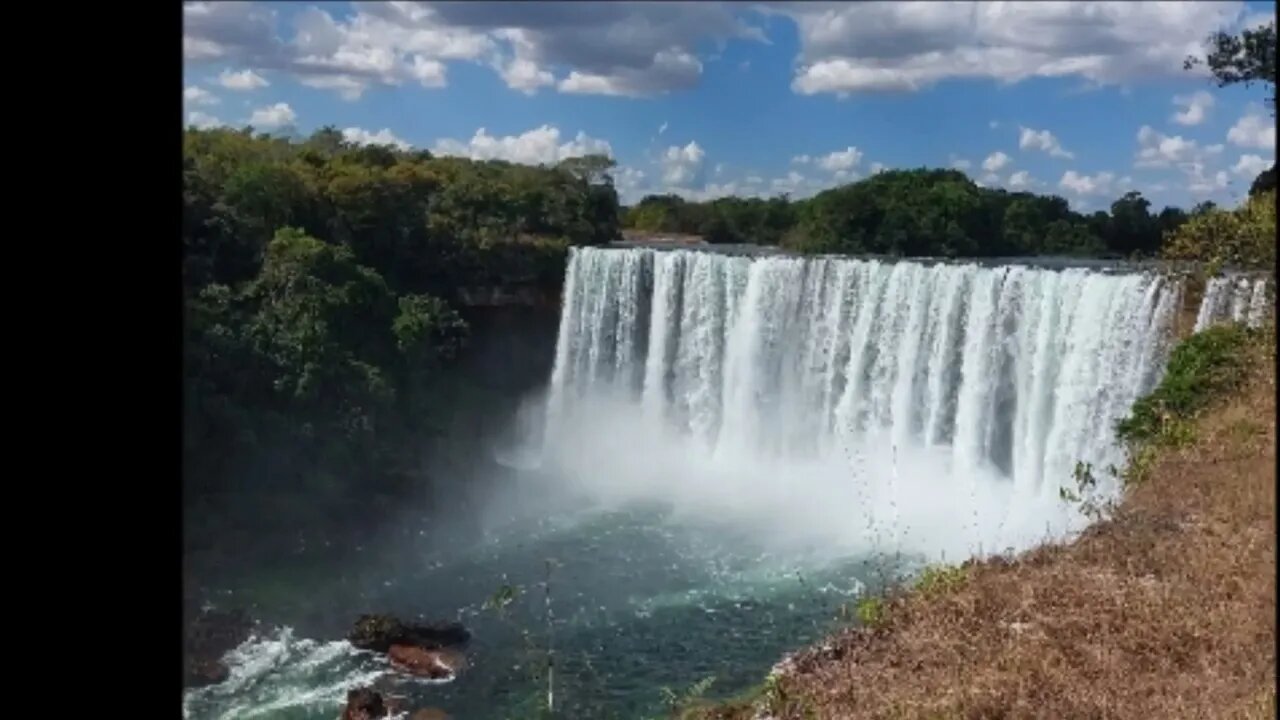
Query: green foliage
x=1201, y=368
x=321, y=281
x=1264, y=183
x=920, y=212
x=1247, y=58
x=940, y=580
x=1243, y=238
x=871, y=612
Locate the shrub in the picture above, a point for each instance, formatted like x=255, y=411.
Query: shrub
x=1201, y=368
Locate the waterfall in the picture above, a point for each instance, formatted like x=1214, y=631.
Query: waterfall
x=1233, y=298
x=824, y=388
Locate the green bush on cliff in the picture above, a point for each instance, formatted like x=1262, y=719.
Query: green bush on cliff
x=1201, y=368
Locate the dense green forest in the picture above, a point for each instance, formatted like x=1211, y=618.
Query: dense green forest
x=918, y=212
x=321, y=297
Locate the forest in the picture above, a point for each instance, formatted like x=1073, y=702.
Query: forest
x=924, y=212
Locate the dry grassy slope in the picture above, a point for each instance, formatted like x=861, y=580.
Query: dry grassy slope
x=1165, y=611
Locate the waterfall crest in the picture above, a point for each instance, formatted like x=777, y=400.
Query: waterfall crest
x=936, y=408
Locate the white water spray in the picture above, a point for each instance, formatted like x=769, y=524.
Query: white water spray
x=944, y=405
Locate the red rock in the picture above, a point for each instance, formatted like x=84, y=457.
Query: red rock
x=421, y=662
x=364, y=704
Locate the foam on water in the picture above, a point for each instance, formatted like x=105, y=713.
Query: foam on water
x=280, y=676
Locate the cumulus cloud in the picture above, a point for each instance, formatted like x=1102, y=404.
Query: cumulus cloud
x=995, y=162
x=1253, y=131
x=1156, y=150
x=960, y=163
x=839, y=160
x=878, y=167
x=540, y=146
x=1029, y=139
x=682, y=166
x=273, y=116
x=1085, y=185
x=203, y=121
x=1249, y=166
x=629, y=49
x=1201, y=181
x=244, y=80
x=384, y=136
x=896, y=46
x=196, y=95
x=1195, y=108
x=1021, y=180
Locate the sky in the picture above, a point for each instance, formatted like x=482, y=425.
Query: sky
x=1086, y=100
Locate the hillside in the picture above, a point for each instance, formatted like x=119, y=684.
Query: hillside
x=1165, y=610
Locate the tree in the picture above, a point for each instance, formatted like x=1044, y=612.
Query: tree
x=1265, y=181
x=1247, y=58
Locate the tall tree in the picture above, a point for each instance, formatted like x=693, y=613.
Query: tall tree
x=1248, y=58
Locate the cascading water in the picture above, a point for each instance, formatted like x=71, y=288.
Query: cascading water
x=1233, y=298
x=794, y=391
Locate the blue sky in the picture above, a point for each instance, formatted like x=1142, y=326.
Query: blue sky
x=1085, y=100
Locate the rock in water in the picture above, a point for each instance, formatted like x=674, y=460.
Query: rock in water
x=429, y=714
x=209, y=635
x=364, y=704
x=379, y=632
x=433, y=664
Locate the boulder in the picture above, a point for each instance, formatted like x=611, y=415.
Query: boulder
x=379, y=632
x=421, y=662
x=429, y=714
x=364, y=704
x=209, y=635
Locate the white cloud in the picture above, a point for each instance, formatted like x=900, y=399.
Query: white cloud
x=1248, y=166
x=197, y=95
x=839, y=160
x=1253, y=131
x=243, y=81
x=629, y=49
x=1021, y=180
x=861, y=47
x=682, y=166
x=960, y=163
x=993, y=124
x=995, y=162
x=540, y=146
x=801, y=159
x=878, y=167
x=1155, y=149
x=1099, y=184
x=629, y=182
x=203, y=121
x=384, y=136
x=1201, y=181
x=1195, y=108
x=273, y=116
x=662, y=128
x=1029, y=139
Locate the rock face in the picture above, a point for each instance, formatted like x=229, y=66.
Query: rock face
x=364, y=704
x=369, y=704
x=209, y=635
x=433, y=664
x=379, y=632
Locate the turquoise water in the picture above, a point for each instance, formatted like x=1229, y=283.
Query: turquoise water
x=639, y=602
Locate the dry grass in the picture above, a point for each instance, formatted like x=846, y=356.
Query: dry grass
x=1165, y=611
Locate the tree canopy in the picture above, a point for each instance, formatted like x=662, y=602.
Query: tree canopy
x=916, y=212
x=322, y=286
x=1248, y=58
